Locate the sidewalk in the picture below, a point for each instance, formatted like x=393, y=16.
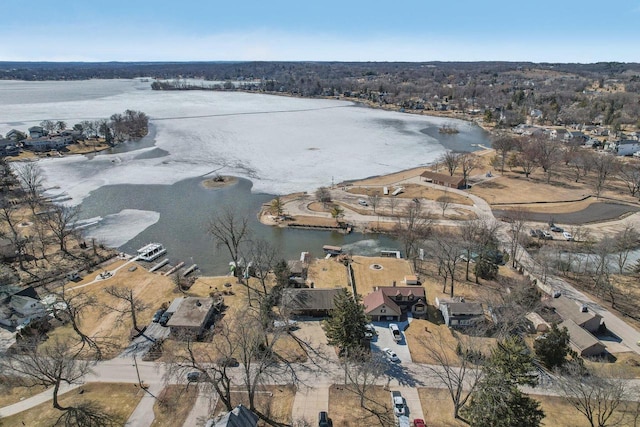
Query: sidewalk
x=202, y=408
x=143, y=415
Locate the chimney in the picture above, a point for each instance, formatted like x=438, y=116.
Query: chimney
x=394, y=283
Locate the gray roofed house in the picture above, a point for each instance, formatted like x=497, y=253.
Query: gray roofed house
x=582, y=341
x=191, y=317
x=457, y=312
x=308, y=301
x=571, y=310
x=240, y=416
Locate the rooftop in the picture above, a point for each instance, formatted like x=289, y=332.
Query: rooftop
x=192, y=312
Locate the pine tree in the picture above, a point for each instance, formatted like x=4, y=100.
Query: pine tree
x=345, y=326
x=552, y=348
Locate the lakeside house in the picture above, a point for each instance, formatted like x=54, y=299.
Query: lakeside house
x=459, y=313
x=627, y=147
x=192, y=316
x=570, y=310
x=582, y=341
x=392, y=302
x=308, y=301
x=456, y=182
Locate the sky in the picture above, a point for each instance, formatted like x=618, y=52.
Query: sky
x=322, y=30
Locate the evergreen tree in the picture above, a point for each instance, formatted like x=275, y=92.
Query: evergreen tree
x=552, y=348
x=345, y=326
x=498, y=402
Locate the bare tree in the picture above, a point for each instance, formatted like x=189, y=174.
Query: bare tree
x=444, y=201
x=230, y=230
x=324, y=196
x=374, y=201
x=527, y=157
x=503, y=144
x=30, y=177
x=451, y=160
x=468, y=162
x=548, y=155
x=61, y=220
x=582, y=163
x=411, y=227
x=446, y=249
x=73, y=306
x=48, y=125
x=629, y=173
x=594, y=395
x=48, y=365
x=456, y=367
x=264, y=257
x=362, y=371
x=393, y=203
x=625, y=242
x=604, y=165
x=516, y=220
x=132, y=304
x=8, y=216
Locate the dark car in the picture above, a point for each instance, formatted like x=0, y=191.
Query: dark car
x=323, y=420
x=229, y=362
x=556, y=229
x=165, y=318
x=158, y=314
x=193, y=377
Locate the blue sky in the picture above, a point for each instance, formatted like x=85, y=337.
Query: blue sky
x=324, y=30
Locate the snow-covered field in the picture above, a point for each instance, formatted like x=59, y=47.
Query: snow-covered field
x=282, y=144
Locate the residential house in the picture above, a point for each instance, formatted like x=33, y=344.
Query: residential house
x=443, y=179
x=539, y=324
x=582, y=341
x=391, y=302
x=308, y=301
x=9, y=147
x=37, y=132
x=20, y=306
x=240, y=416
x=560, y=134
x=192, y=317
x=14, y=135
x=46, y=143
x=456, y=312
x=298, y=272
x=571, y=310
x=627, y=147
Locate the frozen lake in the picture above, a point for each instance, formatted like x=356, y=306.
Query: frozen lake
x=281, y=144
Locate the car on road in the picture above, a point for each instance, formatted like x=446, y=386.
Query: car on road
x=362, y=202
x=229, y=362
x=419, y=423
x=157, y=315
x=193, y=377
x=567, y=236
x=324, y=420
x=165, y=318
x=395, y=332
x=391, y=355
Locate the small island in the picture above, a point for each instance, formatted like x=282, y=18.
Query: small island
x=219, y=181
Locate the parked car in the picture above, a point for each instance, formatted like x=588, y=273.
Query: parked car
x=193, y=377
x=391, y=355
x=324, y=420
x=419, y=423
x=398, y=403
x=158, y=314
x=362, y=202
x=556, y=229
x=533, y=233
x=369, y=332
x=229, y=362
x=539, y=233
x=567, y=235
x=395, y=331
x=165, y=318
x=546, y=235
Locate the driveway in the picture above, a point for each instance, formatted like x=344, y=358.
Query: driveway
x=384, y=339
x=141, y=345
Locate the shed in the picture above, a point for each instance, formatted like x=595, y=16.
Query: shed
x=308, y=301
x=411, y=280
x=539, y=324
x=443, y=179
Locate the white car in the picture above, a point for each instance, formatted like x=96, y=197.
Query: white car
x=395, y=332
x=391, y=355
x=567, y=235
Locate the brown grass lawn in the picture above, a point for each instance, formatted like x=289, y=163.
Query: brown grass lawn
x=327, y=274
x=389, y=179
x=559, y=412
x=438, y=408
x=411, y=191
x=345, y=410
x=274, y=401
x=118, y=400
x=621, y=365
x=10, y=395
x=152, y=288
x=367, y=278
x=173, y=405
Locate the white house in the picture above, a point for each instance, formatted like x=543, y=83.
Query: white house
x=627, y=147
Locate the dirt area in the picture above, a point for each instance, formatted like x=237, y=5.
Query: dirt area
x=347, y=412
x=219, y=182
x=412, y=191
x=115, y=399
x=327, y=274
x=173, y=405
x=367, y=277
x=275, y=401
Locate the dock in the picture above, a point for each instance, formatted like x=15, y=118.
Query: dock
x=174, y=269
